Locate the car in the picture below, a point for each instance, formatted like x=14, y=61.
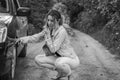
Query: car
x=13, y=25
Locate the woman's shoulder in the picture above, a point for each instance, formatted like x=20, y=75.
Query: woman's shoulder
x=62, y=28
x=66, y=25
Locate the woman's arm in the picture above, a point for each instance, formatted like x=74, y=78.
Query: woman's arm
x=33, y=38
x=56, y=43
x=36, y=37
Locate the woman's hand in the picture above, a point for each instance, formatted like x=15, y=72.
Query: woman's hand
x=23, y=40
x=47, y=32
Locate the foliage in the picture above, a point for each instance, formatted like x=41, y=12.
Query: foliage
x=98, y=18
x=110, y=35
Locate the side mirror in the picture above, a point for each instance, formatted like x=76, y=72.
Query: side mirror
x=23, y=11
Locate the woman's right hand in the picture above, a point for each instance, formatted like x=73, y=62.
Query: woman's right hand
x=23, y=40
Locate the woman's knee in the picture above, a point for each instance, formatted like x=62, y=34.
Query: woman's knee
x=39, y=59
x=58, y=62
x=72, y=63
x=65, y=68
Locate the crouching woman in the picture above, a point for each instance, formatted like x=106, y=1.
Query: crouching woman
x=63, y=59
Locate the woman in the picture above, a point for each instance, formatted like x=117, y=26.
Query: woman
x=57, y=41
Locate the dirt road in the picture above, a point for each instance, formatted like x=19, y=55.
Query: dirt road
x=96, y=62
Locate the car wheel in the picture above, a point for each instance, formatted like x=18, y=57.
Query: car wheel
x=24, y=51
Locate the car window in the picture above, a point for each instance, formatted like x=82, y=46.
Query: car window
x=4, y=6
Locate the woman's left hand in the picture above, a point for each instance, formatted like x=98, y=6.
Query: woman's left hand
x=47, y=32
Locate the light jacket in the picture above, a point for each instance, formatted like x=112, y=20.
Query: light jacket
x=59, y=43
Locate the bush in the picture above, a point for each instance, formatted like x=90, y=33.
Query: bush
x=98, y=18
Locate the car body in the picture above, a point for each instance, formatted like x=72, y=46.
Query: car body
x=13, y=25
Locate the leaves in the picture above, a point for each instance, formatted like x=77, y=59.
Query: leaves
x=99, y=17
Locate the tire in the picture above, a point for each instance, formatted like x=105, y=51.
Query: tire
x=10, y=75
x=24, y=51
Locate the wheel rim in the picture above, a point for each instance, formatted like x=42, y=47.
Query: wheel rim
x=13, y=63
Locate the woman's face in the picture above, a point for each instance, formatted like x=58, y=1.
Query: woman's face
x=51, y=22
